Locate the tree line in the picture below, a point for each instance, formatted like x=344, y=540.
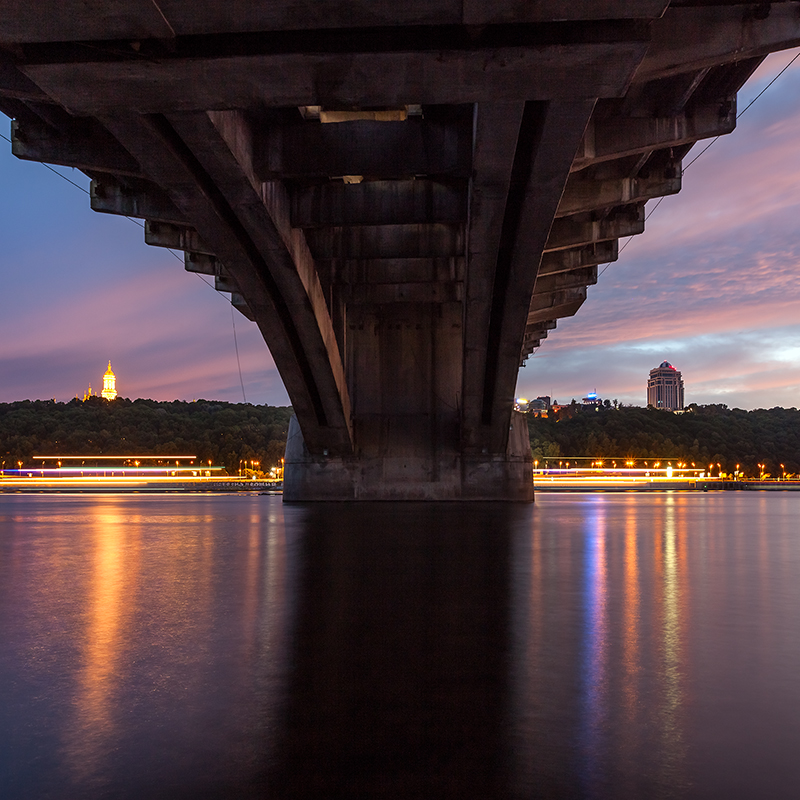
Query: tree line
x=226, y=434
x=703, y=435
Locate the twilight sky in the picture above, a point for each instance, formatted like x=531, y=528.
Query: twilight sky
x=713, y=286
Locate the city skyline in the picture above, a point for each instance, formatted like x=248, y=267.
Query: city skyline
x=710, y=283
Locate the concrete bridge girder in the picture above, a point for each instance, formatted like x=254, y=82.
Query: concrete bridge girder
x=175, y=237
x=587, y=231
x=299, y=149
x=139, y=19
x=414, y=201
x=546, y=144
x=546, y=284
x=624, y=136
x=558, y=261
x=581, y=196
x=83, y=144
x=140, y=199
x=261, y=262
x=364, y=242
x=290, y=80
x=398, y=270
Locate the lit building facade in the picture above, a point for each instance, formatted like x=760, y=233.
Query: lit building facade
x=592, y=400
x=109, y=384
x=665, y=388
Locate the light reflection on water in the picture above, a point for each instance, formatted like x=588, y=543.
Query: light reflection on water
x=111, y=587
x=598, y=646
x=595, y=646
x=657, y=644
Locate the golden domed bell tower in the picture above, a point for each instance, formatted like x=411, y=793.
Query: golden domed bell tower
x=109, y=384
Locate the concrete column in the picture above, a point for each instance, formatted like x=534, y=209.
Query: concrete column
x=404, y=366
x=391, y=476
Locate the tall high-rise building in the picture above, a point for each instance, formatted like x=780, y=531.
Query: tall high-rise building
x=665, y=388
x=109, y=384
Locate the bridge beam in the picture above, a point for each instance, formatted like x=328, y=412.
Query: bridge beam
x=141, y=19
x=420, y=145
x=623, y=136
x=557, y=304
x=266, y=261
x=83, y=144
x=497, y=133
x=584, y=230
x=428, y=240
x=378, y=71
x=132, y=197
x=574, y=278
x=566, y=260
x=175, y=237
x=584, y=195
x=379, y=202
x=548, y=138
x=702, y=35
x=344, y=271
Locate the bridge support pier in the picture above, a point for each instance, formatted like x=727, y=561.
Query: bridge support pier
x=443, y=474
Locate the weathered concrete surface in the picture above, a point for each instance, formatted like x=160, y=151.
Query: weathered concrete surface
x=404, y=197
x=422, y=472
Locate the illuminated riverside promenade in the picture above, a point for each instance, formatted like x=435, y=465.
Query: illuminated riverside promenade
x=134, y=483
x=545, y=480
x=127, y=476
x=606, y=479
x=648, y=479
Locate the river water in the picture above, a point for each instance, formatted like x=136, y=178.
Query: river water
x=590, y=645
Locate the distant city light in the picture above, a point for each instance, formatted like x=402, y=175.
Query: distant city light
x=109, y=384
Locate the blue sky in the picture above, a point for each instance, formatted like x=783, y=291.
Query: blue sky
x=713, y=286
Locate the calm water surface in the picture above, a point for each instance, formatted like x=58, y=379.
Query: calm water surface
x=597, y=646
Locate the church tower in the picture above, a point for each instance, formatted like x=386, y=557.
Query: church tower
x=109, y=384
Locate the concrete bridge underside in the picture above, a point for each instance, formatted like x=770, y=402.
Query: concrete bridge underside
x=404, y=197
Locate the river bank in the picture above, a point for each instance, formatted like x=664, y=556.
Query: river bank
x=91, y=485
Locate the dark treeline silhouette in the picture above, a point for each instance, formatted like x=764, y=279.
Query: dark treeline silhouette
x=223, y=433
x=229, y=433
x=704, y=435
